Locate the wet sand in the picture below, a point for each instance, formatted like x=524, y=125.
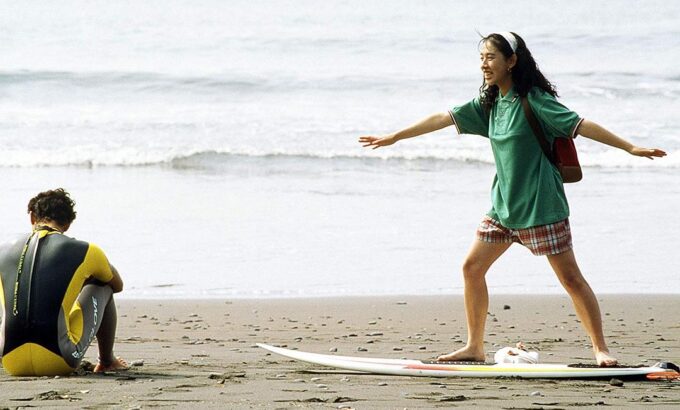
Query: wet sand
x=202, y=354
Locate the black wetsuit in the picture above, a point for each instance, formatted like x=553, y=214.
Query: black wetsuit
x=53, y=294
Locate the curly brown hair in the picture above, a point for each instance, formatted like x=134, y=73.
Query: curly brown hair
x=54, y=205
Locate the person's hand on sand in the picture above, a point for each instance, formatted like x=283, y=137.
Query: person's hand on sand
x=647, y=152
x=377, y=142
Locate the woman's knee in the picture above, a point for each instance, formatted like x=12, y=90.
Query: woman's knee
x=474, y=269
x=572, y=280
x=480, y=258
x=568, y=272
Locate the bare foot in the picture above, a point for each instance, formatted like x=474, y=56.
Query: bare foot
x=117, y=364
x=466, y=354
x=604, y=359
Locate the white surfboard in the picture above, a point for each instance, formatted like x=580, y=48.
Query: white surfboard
x=404, y=367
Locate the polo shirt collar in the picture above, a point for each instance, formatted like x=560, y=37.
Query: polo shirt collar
x=510, y=96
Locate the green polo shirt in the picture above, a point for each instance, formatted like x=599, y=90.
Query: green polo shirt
x=527, y=189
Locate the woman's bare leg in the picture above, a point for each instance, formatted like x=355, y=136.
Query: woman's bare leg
x=478, y=261
x=585, y=303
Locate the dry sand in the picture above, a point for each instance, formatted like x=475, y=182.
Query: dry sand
x=202, y=354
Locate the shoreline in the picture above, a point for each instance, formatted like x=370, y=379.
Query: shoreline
x=414, y=247
x=310, y=297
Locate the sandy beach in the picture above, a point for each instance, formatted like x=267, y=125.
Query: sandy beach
x=202, y=354
x=212, y=151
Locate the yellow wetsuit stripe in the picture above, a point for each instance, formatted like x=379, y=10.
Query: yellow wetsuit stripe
x=94, y=265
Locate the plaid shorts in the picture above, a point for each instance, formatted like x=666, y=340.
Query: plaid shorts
x=541, y=240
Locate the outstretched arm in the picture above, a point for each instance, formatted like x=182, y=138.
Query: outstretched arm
x=432, y=123
x=598, y=133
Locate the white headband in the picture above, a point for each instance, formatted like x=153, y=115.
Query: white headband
x=511, y=39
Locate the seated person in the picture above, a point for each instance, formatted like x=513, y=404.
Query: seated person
x=56, y=294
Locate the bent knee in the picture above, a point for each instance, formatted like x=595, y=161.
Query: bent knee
x=572, y=280
x=474, y=269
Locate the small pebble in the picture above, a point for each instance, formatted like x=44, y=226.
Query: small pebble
x=137, y=363
x=315, y=379
x=333, y=349
x=362, y=349
x=616, y=382
x=536, y=393
x=506, y=307
x=382, y=384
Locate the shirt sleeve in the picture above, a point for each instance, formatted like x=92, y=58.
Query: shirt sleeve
x=98, y=264
x=470, y=118
x=557, y=120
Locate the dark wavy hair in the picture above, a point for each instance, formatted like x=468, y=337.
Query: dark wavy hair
x=54, y=205
x=525, y=73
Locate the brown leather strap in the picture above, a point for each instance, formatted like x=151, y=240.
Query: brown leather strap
x=538, y=131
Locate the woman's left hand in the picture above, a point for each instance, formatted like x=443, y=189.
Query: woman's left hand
x=647, y=152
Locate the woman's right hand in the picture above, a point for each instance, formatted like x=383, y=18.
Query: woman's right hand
x=377, y=142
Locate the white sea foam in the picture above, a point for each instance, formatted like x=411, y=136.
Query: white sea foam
x=129, y=157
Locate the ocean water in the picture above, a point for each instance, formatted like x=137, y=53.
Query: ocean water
x=211, y=146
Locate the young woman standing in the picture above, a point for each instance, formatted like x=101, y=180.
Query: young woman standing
x=529, y=205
